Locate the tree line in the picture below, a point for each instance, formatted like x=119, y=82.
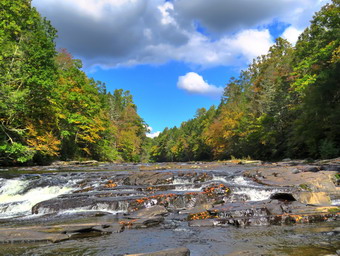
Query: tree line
x=285, y=104
x=49, y=108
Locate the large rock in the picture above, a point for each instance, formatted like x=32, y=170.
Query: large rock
x=149, y=178
x=153, y=211
x=168, y=252
x=313, y=198
x=13, y=235
x=142, y=223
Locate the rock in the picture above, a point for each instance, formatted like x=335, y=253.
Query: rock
x=296, y=171
x=13, y=235
x=143, y=223
x=275, y=208
x=313, y=198
x=168, y=252
x=197, y=209
x=112, y=228
x=311, y=169
x=153, y=211
x=149, y=178
x=202, y=223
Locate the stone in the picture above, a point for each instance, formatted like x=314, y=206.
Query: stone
x=296, y=171
x=168, y=252
x=13, y=235
x=149, y=178
x=153, y=211
x=143, y=223
x=313, y=198
x=112, y=228
x=202, y=223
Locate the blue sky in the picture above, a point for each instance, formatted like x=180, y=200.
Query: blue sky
x=174, y=56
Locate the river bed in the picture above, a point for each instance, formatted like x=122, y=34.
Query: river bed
x=104, y=194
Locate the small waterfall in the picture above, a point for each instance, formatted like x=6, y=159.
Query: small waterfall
x=15, y=203
x=255, y=194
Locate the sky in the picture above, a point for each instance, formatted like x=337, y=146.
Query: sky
x=174, y=56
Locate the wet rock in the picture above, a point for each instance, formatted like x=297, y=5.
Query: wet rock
x=149, y=178
x=85, y=228
x=274, y=208
x=197, y=209
x=13, y=235
x=168, y=252
x=112, y=228
x=202, y=223
x=143, y=223
x=153, y=211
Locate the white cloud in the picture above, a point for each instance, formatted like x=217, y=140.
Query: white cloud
x=291, y=34
x=194, y=83
x=112, y=33
x=153, y=135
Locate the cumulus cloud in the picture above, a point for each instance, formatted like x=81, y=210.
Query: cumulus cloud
x=112, y=33
x=151, y=134
x=291, y=34
x=194, y=83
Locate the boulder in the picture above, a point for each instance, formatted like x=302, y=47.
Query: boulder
x=313, y=198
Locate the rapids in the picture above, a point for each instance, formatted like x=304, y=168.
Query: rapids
x=83, y=195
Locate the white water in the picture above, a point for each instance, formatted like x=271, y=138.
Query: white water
x=85, y=209
x=336, y=202
x=14, y=203
x=181, y=181
x=256, y=194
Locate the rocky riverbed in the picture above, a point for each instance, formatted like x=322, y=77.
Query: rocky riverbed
x=219, y=208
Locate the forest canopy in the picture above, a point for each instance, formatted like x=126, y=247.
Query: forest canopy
x=285, y=104
x=49, y=108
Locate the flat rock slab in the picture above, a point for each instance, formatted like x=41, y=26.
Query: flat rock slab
x=56, y=233
x=169, y=252
x=321, y=181
x=143, y=223
x=29, y=236
x=153, y=211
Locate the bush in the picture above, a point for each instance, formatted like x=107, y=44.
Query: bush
x=328, y=149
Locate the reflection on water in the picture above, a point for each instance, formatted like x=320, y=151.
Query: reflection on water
x=301, y=240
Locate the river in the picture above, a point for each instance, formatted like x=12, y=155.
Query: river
x=107, y=194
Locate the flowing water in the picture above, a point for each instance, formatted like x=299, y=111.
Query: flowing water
x=85, y=195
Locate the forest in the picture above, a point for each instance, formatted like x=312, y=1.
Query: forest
x=285, y=104
x=49, y=108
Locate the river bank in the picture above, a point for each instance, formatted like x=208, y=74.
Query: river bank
x=218, y=208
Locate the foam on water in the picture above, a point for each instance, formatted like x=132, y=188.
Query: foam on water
x=336, y=202
x=14, y=203
x=179, y=181
x=256, y=194
x=187, y=188
x=85, y=209
x=240, y=180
